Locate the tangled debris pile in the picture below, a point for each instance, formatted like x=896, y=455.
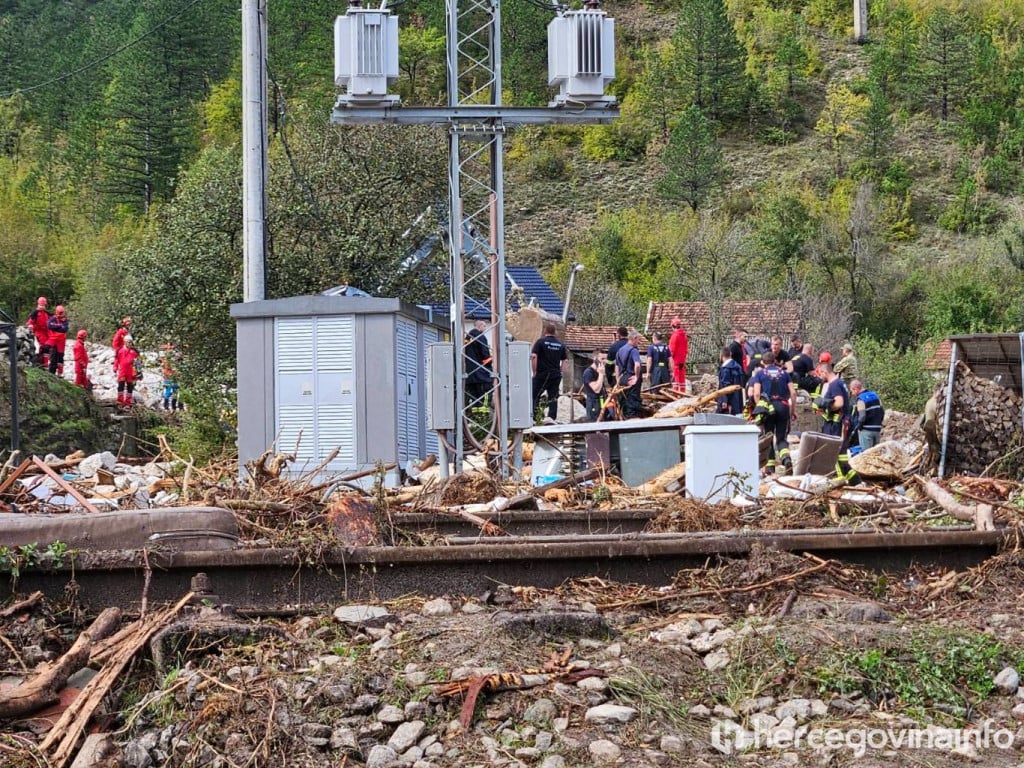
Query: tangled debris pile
x=593, y=673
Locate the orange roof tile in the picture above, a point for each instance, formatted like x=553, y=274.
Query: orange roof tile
x=758, y=318
x=584, y=339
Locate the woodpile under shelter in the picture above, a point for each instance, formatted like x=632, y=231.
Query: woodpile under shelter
x=339, y=381
x=980, y=405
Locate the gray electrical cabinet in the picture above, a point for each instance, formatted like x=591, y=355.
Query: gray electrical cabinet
x=339, y=381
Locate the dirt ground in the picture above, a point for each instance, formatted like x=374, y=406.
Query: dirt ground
x=734, y=646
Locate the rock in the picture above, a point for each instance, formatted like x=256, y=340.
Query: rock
x=967, y=751
x=798, y=709
x=365, y=704
x=553, y=761
x=1007, y=681
x=604, y=751
x=543, y=741
x=818, y=708
x=527, y=753
x=710, y=625
x=315, y=734
x=344, y=739
x=610, y=713
x=593, y=684
x=437, y=607
x=758, y=704
x=91, y=464
x=561, y=624
x=472, y=607
x=763, y=722
x=391, y=714
x=380, y=757
x=560, y=724
x=135, y=755
x=415, y=710
x=1018, y=712
x=672, y=744
x=716, y=660
x=406, y=735
x=541, y=712
x=699, y=712
x=416, y=679
x=363, y=615
x=724, y=712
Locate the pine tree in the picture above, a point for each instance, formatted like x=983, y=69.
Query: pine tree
x=693, y=160
x=876, y=129
x=709, y=59
x=946, y=57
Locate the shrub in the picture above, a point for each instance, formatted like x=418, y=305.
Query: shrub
x=897, y=375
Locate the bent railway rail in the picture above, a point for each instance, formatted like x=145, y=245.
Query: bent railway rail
x=277, y=579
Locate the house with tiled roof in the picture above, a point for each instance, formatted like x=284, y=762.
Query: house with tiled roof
x=709, y=327
x=582, y=340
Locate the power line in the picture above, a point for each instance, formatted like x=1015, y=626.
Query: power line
x=97, y=62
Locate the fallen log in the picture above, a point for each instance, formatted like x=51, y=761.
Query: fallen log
x=67, y=731
x=22, y=605
x=44, y=689
x=540, y=490
x=679, y=409
x=671, y=480
x=979, y=514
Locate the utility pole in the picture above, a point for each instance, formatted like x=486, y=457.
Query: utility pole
x=254, y=148
x=476, y=121
x=860, y=21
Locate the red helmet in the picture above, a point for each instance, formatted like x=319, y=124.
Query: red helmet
x=676, y=321
x=60, y=309
x=825, y=357
x=41, y=301
x=81, y=334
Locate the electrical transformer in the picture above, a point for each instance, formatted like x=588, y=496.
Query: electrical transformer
x=581, y=57
x=366, y=56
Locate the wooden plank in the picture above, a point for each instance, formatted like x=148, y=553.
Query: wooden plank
x=64, y=484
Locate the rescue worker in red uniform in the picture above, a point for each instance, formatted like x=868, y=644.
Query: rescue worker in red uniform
x=38, y=321
x=678, y=346
x=58, y=326
x=124, y=329
x=81, y=356
x=126, y=372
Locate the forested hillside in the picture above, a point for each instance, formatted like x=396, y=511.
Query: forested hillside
x=760, y=153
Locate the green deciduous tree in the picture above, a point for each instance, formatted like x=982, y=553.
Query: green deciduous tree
x=693, y=160
x=840, y=119
x=783, y=229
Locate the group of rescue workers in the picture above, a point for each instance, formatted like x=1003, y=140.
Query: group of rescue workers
x=51, y=332
x=767, y=377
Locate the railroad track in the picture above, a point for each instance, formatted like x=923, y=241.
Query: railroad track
x=275, y=579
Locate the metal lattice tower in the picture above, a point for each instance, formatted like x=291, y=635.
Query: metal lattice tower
x=476, y=121
x=476, y=205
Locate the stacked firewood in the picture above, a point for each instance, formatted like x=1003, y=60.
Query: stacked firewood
x=985, y=426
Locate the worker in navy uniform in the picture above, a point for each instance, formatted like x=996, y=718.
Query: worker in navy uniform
x=867, y=416
x=801, y=369
x=630, y=371
x=594, y=385
x=774, y=396
x=478, y=365
x=547, y=362
x=834, y=405
x=781, y=355
x=620, y=341
x=659, y=362
x=728, y=374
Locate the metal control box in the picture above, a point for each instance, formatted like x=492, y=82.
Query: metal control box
x=441, y=386
x=520, y=386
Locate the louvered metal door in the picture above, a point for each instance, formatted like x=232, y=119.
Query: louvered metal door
x=407, y=381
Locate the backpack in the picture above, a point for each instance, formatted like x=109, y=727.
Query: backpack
x=137, y=364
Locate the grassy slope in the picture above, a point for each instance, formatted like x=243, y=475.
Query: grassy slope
x=544, y=218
